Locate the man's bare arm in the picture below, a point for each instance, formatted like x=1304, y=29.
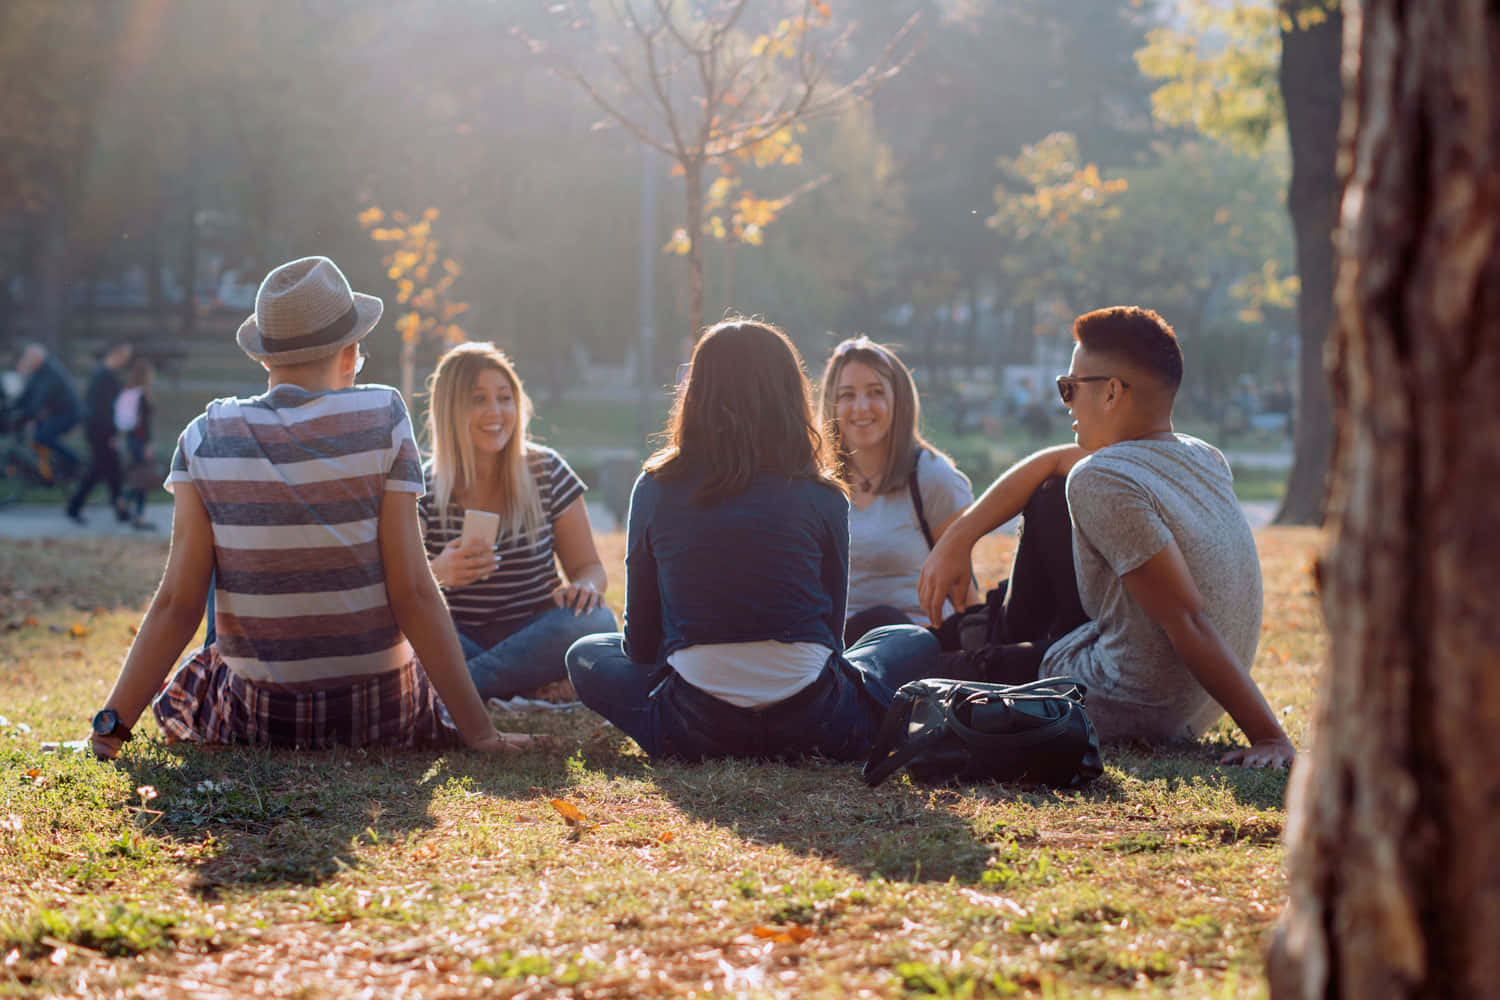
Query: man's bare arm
x=173, y=617
x=948, y=569
x=1163, y=586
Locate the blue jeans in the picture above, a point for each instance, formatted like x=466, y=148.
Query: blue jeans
x=49, y=431
x=836, y=716
x=532, y=654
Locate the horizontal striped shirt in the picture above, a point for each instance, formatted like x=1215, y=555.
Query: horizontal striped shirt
x=293, y=481
x=527, y=573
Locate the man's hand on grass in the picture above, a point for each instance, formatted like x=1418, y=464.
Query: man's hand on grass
x=1277, y=752
x=105, y=747
x=506, y=743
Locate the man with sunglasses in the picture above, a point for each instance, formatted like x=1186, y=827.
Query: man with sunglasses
x=1143, y=581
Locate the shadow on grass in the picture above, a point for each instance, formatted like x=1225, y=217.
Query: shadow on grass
x=282, y=817
x=816, y=808
x=823, y=809
x=1192, y=767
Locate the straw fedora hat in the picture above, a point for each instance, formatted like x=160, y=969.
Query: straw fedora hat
x=305, y=310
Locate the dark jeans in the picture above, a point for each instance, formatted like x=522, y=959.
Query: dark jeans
x=836, y=716
x=104, y=466
x=49, y=432
x=135, y=496
x=1041, y=597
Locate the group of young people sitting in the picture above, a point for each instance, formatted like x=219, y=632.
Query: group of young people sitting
x=782, y=558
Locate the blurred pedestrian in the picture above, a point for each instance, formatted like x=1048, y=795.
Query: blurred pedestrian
x=50, y=402
x=99, y=429
x=133, y=421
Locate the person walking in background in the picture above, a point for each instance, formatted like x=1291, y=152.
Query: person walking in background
x=737, y=569
x=300, y=504
x=515, y=617
x=1154, y=602
x=49, y=402
x=903, y=492
x=133, y=421
x=99, y=430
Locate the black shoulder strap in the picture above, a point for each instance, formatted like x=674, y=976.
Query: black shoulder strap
x=916, y=499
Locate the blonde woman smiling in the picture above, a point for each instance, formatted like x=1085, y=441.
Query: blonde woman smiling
x=515, y=616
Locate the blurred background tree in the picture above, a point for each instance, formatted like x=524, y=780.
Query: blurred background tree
x=185, y=155
x=1248, y=73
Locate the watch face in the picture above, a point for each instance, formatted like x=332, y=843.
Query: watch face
x=106, y=722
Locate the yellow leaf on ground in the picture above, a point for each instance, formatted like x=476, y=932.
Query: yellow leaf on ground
x=792, y=934
x=78, y=630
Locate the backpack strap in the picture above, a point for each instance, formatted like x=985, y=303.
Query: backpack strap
x=916, y=499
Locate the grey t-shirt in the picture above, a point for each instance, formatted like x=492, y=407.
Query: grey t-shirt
x=1127, y=501
x=886, y=547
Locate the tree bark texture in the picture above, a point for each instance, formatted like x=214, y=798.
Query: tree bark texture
x=693, y=180
x=1313, y=94
x=1393, y=842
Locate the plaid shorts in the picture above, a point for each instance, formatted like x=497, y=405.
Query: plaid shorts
x=206, y=702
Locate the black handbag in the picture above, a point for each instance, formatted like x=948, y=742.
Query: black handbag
x=949, y=730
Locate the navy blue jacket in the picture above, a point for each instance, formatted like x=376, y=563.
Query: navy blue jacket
x=49, y=392
x=769, y=563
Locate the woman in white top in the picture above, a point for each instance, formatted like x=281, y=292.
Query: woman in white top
x=903, y=491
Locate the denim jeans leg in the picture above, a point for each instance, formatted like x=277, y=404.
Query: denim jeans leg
x=533, y=654
x=611, y=683
x=889, y=657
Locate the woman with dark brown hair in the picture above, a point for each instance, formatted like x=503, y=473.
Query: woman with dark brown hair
x=737, y=578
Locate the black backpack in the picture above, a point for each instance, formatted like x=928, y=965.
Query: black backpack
x=950, y=730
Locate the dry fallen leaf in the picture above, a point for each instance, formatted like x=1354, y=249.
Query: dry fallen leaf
x=667, y=837
x=791, y=934
x=30, y=621
x=570, y=814
x=78, y=630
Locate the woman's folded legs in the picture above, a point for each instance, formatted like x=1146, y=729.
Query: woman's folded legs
x=532, y=655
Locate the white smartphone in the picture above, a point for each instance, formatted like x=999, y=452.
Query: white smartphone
x=480, y=525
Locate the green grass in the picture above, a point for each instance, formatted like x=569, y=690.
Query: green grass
x=323, y=874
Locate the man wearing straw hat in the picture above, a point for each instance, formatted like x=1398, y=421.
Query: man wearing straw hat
x=301, y=505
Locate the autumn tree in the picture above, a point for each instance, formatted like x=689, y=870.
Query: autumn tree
x=424, y=282
x=1394, y=862
x=1241, y=72
x=713, y=86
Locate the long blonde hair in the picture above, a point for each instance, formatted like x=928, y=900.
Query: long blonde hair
x=454, y=464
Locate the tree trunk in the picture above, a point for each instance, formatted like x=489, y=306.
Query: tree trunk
x=1393, y=856
x=1312, y=92
x=693, y=178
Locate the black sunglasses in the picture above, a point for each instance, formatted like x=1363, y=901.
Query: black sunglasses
x=1068, y=384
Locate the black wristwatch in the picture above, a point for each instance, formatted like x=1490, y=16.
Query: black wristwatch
x=107, y=723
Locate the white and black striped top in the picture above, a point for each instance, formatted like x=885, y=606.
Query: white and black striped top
x=527, y=574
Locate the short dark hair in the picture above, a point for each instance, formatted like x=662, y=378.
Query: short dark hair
x=1136, y=335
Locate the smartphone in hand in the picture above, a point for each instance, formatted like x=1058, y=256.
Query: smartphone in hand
x=480, y=525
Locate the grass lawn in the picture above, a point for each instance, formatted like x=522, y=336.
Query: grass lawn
x=211, y=873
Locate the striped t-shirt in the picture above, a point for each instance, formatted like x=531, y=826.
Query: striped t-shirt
x=293, y=481
x=527, y=574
